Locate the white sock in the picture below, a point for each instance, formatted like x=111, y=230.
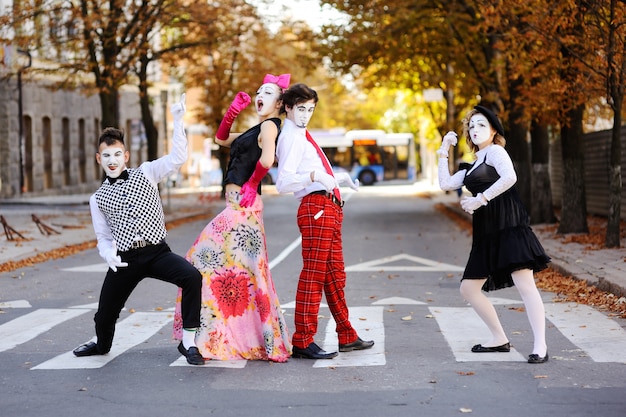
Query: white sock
x=189, y=338
x=525, y=282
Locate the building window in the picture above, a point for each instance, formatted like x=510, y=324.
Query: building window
x=28, y=154
x=66, y=150
x=82, y=154
x=48, y=180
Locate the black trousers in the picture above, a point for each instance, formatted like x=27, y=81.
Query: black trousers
x=155, y=261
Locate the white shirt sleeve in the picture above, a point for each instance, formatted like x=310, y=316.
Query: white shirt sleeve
x=101, y=227
x=499, y=158
x=449, y=182
x=289, y=153
x=166, y=165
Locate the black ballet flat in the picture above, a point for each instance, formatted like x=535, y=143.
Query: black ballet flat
x=534, y=358
x=484, y=349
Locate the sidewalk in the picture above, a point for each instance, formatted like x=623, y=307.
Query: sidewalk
x=70, y=217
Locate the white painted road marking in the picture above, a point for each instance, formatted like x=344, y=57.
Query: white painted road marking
x=102, y=267
x=27, y=327
x=281, y=256
x=393, y=301
x=462, y=329
x=212, y=364
x=603, y=339
x=383, y=264
x=135, y=329
x=368, y=323
x=15, y=304
x=292, y=304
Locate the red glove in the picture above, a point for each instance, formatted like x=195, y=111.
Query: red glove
x=248, y=190
x=241, y=101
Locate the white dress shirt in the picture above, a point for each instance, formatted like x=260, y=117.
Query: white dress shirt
x=297, y=157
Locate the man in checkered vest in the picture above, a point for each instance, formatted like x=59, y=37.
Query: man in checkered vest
x=127, y=216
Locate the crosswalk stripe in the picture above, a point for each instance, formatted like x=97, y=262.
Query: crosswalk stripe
x=135, y=329
x=212, y=364
x=15, y=304
x=101, y=267
x=603, y=339
x=461, y=328
x=368, y=322
x=31, y=325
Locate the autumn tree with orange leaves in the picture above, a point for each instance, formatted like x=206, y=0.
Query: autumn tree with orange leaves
x=536, y=63
x=582, y=51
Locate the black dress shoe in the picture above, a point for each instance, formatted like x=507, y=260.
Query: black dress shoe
x=358, y=344
x=484, y=349
x=192, y=354
x=312, y=352
x=534, y=358
x=88, y=349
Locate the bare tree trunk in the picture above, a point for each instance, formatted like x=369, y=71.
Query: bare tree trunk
x=110, y=107
x=541, y=209
x=152, y=134
x=573, y=206
x=612, y=239
x=517, y=145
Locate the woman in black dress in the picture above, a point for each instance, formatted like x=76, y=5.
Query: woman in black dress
x=505, y=251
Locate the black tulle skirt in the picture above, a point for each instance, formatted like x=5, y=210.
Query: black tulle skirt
x=503, y=243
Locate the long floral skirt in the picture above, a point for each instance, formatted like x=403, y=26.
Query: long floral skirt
x=241, y=317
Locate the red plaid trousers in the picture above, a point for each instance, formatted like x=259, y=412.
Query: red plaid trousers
x=322, y=271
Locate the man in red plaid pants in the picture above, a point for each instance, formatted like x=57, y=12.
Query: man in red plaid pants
x=304, y=170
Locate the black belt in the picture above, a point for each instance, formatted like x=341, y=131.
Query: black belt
x=332, y=197
x=142, y=244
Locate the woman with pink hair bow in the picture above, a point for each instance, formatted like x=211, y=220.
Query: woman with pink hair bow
x=241, y=317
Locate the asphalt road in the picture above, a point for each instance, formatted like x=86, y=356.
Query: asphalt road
x=403, y=258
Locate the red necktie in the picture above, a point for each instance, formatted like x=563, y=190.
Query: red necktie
x=329, y=170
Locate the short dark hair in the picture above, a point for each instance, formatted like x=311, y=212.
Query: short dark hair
x=111, y=135
x=297, y=93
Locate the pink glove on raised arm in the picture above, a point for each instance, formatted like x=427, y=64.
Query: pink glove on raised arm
x=248, y=190
x=241, y=101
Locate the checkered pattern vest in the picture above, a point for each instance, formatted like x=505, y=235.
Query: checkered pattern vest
x=132, y=208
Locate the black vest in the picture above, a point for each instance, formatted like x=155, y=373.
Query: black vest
x=244, y=154
x=132, y=209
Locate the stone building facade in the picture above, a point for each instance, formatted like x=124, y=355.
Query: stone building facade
x=59, y=140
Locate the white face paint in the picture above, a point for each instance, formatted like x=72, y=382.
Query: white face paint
x=301, y=113
x=480, y=130
x=112, y=158
x=266, y=99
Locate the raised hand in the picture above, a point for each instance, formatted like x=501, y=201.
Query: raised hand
x=179, y=109
x=240, y=102
x=450, y=139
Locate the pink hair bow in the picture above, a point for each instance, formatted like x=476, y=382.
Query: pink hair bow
x=281, y=80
